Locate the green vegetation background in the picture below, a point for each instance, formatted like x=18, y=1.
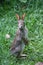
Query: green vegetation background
x=34, y=23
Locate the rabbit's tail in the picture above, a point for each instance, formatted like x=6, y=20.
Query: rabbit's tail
x=13, y=53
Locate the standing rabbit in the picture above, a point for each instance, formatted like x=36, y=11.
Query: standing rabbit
x=21, y=38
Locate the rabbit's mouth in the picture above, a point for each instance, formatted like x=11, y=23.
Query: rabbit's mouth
x=21, y=28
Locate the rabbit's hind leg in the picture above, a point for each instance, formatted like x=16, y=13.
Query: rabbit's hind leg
x=23, y=55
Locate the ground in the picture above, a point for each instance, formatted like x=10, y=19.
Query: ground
x=8, y=25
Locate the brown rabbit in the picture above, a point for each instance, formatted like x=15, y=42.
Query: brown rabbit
x=21, y=38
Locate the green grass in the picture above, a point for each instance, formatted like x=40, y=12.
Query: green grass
x=8, y=24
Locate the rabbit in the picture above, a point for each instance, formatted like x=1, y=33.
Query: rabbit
x=21, y=38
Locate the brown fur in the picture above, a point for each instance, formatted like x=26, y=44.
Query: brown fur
x=21, y=37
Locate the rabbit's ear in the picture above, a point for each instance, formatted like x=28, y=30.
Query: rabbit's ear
x=18, y=17
x=23, y=16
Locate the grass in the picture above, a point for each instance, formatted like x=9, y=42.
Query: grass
x=8, y=24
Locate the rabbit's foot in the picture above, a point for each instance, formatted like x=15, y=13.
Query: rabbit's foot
x=23, y=55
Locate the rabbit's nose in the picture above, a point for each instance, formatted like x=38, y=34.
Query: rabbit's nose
x=20, y=26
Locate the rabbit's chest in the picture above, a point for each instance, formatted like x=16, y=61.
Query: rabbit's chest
x=22, y=45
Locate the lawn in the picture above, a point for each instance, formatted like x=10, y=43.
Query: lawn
x=8, y=25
